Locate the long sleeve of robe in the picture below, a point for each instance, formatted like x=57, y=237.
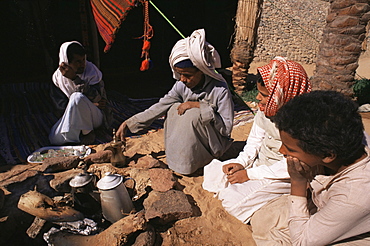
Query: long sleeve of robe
x=200, y=141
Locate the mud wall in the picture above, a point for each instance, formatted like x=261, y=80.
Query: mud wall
x=291, y=29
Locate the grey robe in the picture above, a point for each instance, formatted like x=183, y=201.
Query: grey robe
x=193, y=139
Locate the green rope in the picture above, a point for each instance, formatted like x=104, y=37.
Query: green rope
x=177, y=30
x=159, y=11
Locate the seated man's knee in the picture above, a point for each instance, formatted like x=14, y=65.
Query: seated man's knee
x=76, y=97
x=194, y=115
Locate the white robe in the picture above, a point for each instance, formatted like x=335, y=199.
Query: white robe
x=266, y=169
x=81, y=115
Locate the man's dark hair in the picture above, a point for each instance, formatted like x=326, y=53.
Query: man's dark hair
x=325, y=123
x=75, y=49
x=259, y=79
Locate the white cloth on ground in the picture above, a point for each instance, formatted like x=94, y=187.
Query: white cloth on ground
x=80, y=114
x=215, y=117
x=266, y=169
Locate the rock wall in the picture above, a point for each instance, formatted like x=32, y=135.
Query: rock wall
x=292, y=29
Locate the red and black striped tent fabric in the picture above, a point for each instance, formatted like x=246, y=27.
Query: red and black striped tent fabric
x=108, y=15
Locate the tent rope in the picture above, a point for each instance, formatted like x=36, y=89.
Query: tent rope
x=148, y=34
x=160, y=12
x=177, y=30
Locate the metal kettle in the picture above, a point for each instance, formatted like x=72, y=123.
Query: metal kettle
x=83, y=193
x=115, y=200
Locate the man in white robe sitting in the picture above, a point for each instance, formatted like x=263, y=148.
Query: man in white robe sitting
x=81, y=82
x=199, y=108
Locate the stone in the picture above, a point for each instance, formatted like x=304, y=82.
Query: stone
x=161, y=179
x=142, y=181
x=146, y=161
x=43, y=207
x=56, y=164
x=146, y=238
x=18, y=174
x=116, y=234
x=103, y=156
x=60, y=181
x=165, y=207
x=99, y=170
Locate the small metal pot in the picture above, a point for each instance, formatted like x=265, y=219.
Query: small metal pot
x=115, y=200
x=82, y=183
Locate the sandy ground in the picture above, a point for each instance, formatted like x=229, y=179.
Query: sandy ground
x=214, y=226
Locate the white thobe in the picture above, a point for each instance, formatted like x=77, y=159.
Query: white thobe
x=80, y=115
x=266, y=169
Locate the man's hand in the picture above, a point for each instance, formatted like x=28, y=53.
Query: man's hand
x=239, y=176
x=187, y=105
x=102, y=103
x=67, y=71
x=121, y=132
x=299, y=170
x=300, y=173
x=232, y=168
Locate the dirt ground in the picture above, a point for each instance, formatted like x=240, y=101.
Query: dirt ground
x=213, y=225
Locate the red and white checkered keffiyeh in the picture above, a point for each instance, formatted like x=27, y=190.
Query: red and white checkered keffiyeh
x=284, y=79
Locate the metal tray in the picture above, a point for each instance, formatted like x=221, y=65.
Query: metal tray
x=79, y=150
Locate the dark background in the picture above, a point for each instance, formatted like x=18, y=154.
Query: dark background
x=33, y=30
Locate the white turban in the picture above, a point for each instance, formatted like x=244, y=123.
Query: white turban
x=91, y=74
x=201, y=53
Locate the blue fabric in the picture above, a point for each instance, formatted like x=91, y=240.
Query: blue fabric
x=184, y=64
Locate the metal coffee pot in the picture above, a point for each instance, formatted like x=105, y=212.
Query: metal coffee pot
x=84, y=195
x=115, y=200
x=82, y=183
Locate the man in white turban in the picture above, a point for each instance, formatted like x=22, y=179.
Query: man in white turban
x=81, y=82
x=199, y=109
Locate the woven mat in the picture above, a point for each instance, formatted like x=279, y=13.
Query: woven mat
x=27, y=115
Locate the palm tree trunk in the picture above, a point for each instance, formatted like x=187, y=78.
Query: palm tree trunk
x=341, y=46
x=248, y=16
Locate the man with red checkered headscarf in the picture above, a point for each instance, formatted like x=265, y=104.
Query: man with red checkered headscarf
x=284, y=79
x=259, y=174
